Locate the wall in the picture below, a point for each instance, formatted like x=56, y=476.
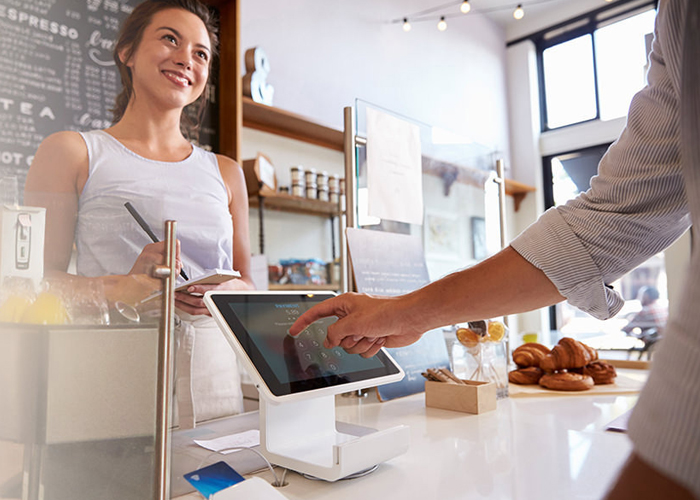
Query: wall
x=323, y=55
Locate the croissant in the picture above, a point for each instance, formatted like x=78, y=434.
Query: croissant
x=568, y=353
x=530, y=354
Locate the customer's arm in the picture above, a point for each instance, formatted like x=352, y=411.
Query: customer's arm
x=504, y=283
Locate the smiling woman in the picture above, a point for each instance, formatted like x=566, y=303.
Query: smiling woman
x=164, y=53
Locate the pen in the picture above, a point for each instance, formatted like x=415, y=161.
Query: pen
x=144, y=225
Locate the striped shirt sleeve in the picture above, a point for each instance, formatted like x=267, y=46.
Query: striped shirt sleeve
x=635, y=208
x=639, y=203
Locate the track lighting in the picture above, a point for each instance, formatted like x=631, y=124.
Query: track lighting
x=518, y=13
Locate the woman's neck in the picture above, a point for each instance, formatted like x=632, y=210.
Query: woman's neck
x=156, y=136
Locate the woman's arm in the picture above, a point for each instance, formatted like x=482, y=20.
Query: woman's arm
x=55, y=179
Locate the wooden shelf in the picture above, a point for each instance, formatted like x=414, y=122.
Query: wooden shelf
x=328, y=287
x=518, y=190
x=287, y=124
x=296, y=204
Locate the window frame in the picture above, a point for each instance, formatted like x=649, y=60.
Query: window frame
x=585, y=24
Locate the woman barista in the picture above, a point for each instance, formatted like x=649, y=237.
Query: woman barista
x=164, y=55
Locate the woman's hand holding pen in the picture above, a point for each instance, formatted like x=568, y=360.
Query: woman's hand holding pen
x=152, y=255
x=191, y=301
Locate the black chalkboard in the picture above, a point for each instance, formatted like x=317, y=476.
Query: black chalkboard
x=58, y=74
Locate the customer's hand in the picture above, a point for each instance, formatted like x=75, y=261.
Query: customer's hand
x=365, y=323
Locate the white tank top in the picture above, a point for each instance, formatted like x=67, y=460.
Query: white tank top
x=191, y=192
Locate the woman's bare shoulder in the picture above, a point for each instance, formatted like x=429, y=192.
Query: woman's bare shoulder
x=60, y=161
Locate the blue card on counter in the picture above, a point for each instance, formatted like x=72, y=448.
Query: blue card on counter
x=213, y=478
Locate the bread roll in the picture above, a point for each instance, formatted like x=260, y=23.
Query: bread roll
x=526, y=376
x=601, y=372
x=565, y=381
x=530, y=354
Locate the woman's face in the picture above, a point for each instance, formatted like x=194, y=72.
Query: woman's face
x=171, y=63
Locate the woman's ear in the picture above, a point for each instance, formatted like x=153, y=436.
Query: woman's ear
x=124, y=56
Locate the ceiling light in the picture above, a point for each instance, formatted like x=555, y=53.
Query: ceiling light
x=406, y=25
x=465, y=7
x=442, y=25
x=518, y=13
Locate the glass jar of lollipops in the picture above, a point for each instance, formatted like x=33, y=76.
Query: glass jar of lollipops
x=480, y=354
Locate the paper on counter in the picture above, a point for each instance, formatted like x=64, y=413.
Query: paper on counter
x=394, y=169
x=223, y=444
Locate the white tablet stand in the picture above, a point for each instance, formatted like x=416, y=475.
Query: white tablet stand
x=302, y=436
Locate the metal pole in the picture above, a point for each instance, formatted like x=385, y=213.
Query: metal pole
x=501, y=180
x=350, y=192
x=167, y=324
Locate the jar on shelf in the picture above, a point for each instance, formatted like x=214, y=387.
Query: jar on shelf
x=299, y=189
x=310, y=176
x=297, y=175
x=311, y=191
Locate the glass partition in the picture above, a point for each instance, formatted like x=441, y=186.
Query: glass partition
x=78, y=416
x=79, y=359
x=461, y=210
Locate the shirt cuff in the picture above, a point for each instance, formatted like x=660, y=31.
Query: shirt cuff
x=550, y=245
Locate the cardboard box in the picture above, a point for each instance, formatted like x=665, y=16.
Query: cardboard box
x=471, y=397
x=259, y=174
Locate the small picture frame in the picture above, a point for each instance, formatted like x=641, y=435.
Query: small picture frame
x=479, y=250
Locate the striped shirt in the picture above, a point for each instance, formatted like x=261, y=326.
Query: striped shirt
x=646, y=194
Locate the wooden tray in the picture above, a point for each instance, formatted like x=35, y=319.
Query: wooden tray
x=628, y=381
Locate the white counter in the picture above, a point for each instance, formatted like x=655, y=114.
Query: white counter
x=533, y=448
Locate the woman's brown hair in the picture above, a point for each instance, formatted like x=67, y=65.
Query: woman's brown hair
x=132, y=32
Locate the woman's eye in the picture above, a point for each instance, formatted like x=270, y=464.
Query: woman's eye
x=203, y=55
x=170, y=38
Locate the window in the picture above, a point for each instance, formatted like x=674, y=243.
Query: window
x=621, y=61
x=590, y=67
x=566, y=175
x=569, y=79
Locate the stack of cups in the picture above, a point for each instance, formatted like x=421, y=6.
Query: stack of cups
x=322, y=181
x=298, y=184
x=311, y=186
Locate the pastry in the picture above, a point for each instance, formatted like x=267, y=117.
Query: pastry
x=565, y=381
x=530, y=354
x=601, y=372
x=568, y=353
x=525, y=376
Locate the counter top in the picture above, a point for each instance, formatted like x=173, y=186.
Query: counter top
x=533, y=448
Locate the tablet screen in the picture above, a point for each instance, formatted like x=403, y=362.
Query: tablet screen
x=290, y=365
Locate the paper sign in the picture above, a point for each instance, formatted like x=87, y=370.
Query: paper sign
x=394, y=171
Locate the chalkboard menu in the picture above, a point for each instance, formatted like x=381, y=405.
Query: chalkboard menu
x=58, y=74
